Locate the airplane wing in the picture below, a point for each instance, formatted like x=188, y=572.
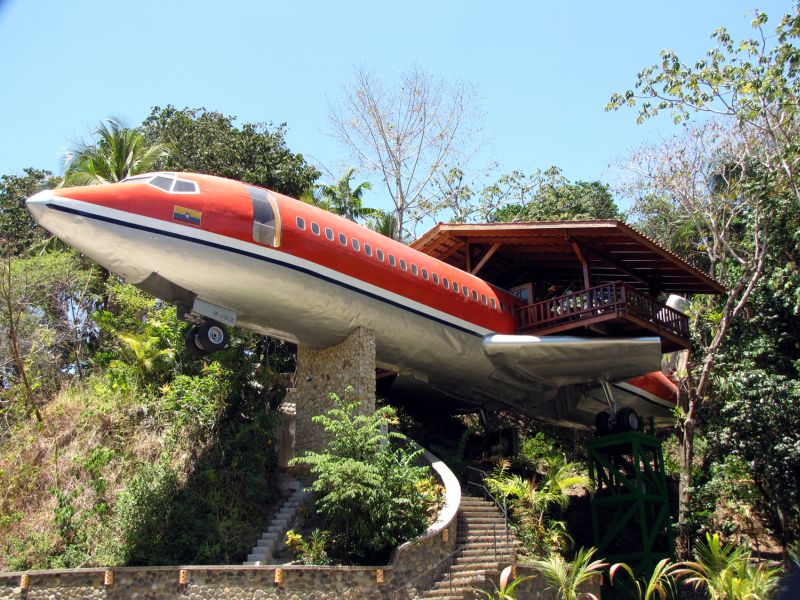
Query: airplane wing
x=568, y=360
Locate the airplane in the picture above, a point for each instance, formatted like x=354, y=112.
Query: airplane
x=229, y=254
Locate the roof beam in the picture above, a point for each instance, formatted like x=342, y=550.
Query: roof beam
x=485, y=258
x=615, y=263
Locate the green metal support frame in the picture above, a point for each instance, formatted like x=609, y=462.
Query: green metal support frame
x=630, y=508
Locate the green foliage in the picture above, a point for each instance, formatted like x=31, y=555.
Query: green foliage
x=118, y=152
x=727, y=572
x=340, y=198
x=548, y=196
x=197, y=399
x=369, y=491
x=535, y=502
x=209, y=142
x=567, y=578
x=506, y=590
x=311, y=552
x=17, y=227
x=660, y=585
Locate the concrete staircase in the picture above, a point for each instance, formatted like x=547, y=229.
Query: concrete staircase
x=483, y=551
x=272, y=539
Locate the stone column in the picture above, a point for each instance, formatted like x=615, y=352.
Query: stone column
x=321, y=371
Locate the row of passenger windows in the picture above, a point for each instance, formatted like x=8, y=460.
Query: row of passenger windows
x=404, y=266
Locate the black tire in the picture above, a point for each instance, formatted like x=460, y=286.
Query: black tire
x=212, y=336
x=627, y=420
x=190, y=337
x=601, y=423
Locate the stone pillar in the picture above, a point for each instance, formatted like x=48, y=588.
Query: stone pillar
x=321, y=371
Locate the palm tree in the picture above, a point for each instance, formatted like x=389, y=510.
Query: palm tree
x=117, y=153
x=660, y=586
x=728, y=572
x=567, y=578
x=385, y=223
x=344, y=200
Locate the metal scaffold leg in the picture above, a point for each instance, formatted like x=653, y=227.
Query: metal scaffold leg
x=630, y=508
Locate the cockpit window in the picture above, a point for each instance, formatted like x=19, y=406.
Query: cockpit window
x=184, y=187
x=266, y=217
x=167, y=182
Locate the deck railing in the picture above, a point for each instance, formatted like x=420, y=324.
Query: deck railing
x=611, y=299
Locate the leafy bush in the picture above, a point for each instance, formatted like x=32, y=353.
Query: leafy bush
x=311, y=552
x=369, y=491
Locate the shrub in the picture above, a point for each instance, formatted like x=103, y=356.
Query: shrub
x=368, y=490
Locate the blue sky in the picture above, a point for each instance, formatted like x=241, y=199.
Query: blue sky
x=544, y=70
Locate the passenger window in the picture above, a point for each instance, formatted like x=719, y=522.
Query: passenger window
x=403, y=264
x=379, y=254
x=414, y=269
x=343, y=239
x=367, y=249
x=475, y=295
x=455, y=287
x=483, y=298
x=314, y=228
x=356, y=245
x=445, y=282
x=425, y=274
x=435, y=278
x=301, y=224
x=266, y=218
x=392, y=260
x=465, y=289
x=493, y=303
x=329, y=233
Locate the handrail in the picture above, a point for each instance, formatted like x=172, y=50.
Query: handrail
x=615, y=297
x=503, y=507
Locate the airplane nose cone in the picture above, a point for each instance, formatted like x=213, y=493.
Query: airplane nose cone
x=37, y=204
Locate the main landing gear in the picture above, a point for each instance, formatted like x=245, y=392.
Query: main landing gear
x=206, y=338
x=615, y=420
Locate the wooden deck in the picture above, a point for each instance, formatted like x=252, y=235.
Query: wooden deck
x=611, y=309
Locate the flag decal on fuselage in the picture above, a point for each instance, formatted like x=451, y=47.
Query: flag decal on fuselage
x=187, y=215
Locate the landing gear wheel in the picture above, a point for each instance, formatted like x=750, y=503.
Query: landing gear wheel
x=627, y=420
x=190, y=337
x=211, y=336
x=601, y=423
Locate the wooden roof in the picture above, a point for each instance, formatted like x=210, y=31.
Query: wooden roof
x=613, y=250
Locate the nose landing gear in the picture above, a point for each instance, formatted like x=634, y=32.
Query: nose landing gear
x=206, y=338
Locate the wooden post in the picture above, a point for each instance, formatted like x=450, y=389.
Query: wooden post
x=24, y=581
x=587, y=283
x=108, y=578
x=379, y=576
x=279, y=576
x=446, y=534
x=183, y=577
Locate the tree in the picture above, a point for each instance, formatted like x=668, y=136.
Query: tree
x=706, y=178
x=753, y=84
x=547, y=196
x=118, y=152
x=17, y=227
x=343, y=200
x=405, y=135
x=203, y=141
x=371, y=492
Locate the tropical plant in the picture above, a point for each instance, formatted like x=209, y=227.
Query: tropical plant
x=506, y=590
x=566, y=577
x=385, y=223
x=532, y=501
x=728, y=572
x=118, y=152
x=660, y=585
x=367, y=489
x=344, y=200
